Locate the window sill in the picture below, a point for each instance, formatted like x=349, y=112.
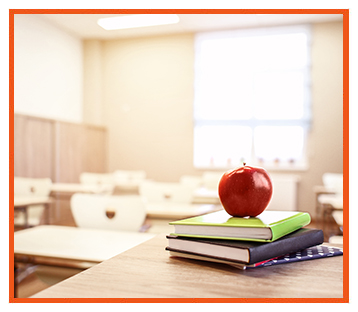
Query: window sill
x=268, y=167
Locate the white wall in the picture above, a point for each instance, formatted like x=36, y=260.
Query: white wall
x=93, y=82
x=148, y=96
x=48, y=70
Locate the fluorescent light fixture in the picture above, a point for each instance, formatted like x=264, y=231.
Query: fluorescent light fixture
x=138, y=20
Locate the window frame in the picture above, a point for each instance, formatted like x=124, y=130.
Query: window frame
x=304, y=122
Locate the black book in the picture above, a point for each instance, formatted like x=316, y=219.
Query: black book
x=248, y=252
x=310, y=253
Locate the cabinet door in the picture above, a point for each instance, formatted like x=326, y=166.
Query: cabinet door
x=69, y=150
x=33, y=147
x=94, y=158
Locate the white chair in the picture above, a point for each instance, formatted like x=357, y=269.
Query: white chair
x=96, y=178
x=105, y=180
x=168, y=192
x=129, y=176
x=118, y=213
x=191, y=180
x=211, y=179
x=333, y=182
x=332, y=201
x=128, y=181
x=31, y=189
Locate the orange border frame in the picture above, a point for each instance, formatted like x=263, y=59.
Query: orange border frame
x=344, y=12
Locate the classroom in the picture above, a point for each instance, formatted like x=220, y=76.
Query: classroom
x=119, y=132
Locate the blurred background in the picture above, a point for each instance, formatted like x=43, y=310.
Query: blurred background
x=103, y=111
x=180, y=99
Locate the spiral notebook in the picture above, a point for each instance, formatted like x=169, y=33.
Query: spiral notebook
x=311, y=253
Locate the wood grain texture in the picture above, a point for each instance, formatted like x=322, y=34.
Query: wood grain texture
x=68, y=152
x=95, y=147
x=46, y=148
x=147, y=271
x=33, y=150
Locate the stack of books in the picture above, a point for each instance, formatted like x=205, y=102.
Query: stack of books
x=273, y=237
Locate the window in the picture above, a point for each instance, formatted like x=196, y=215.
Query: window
x=252, y=98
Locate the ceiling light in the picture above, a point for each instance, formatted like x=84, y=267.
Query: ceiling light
x=140, y=20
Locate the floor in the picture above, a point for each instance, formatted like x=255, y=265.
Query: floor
x=30, y=286
x=34, y=283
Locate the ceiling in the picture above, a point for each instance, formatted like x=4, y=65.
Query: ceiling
x=85, y=25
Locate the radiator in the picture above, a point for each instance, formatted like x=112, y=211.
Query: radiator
x=285, y=192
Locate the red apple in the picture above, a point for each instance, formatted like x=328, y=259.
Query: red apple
x=245, y=191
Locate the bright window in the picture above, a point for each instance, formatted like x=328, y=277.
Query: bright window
x=252, y=98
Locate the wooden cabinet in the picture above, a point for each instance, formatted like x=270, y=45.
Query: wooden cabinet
x=33, y=147
x=58, y=150
x=45, y=148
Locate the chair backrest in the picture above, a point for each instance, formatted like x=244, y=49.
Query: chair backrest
x=97, y=178
x=32, y=186
x=129, y=176
x=118, y=213
x=191, y=180
x=211, y=179
x=333, y=181
x=155, y=192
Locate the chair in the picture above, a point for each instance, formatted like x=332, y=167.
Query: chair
x=116, y=213
x=96, y=178
x=101, y=179
x=211, y=179
x=30, y=189
x=332, y=200
x=127, y=181
x=132, y=176
x=191, y=180
x=333, y=182
x=167, y=192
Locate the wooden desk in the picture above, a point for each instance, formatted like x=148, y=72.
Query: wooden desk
x=22, y=204
x=147, y=271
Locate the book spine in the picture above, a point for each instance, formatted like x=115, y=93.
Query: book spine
x=289, y=225
x=285, y=246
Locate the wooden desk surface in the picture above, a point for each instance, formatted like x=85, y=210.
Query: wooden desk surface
x=147, y=271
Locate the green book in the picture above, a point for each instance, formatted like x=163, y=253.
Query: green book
x=266, y=227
